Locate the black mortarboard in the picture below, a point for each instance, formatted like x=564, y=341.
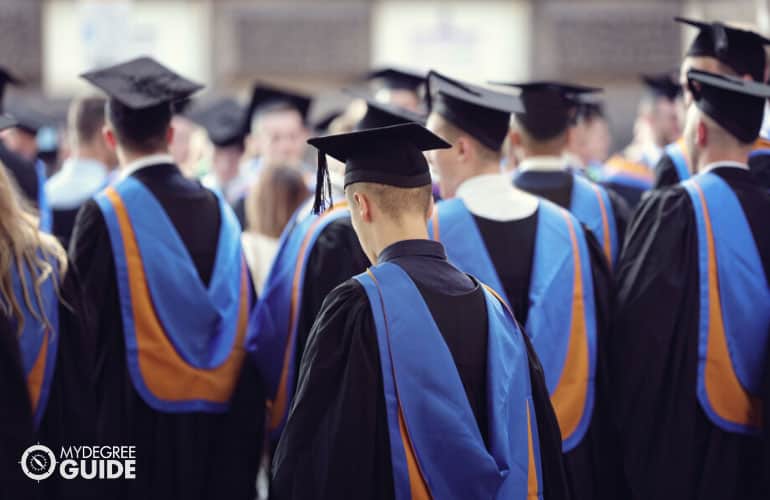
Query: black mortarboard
x=388, y=155
x=264, y=96
x=397, y=79
x=588, y=106
x=549, y=107
x=223, y=121
x=662, y=85
x=743, y=51
x=737, y=105
x=6, y=77
x=6, y=121
x=481, y=112
x=380, y=115
x=28, y=118
x=142, y=83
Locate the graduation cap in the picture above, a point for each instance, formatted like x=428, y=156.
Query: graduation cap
x=28, y=118
x=588, y=106
x=6, y=121
x=142, y=83
x=264, y=96
x=380, y=115
x=741, y=50
x=737, y=105
x=549, y=107
x=223, y=121
x=481, y=112
x=397, y=79
x=6, y=77
x=387, y=155
x=662, y=85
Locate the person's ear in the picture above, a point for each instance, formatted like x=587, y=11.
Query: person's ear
x=170, y=134
x=701, y=134
x=464, y=150
x=109, y=137
x=514, y=137
x=363, y=206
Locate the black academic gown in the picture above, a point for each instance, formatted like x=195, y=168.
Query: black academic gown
x=759, y=164
x=180, y=455
x=23, y=173
x=669, y=447
x=68, y=416
x=666, y=174
x=556, y=187
x=336, y=443
x=590, y=466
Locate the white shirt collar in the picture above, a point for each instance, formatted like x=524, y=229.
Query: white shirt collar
x=145, y=161
x=493, y=196
x=543, y=163
x=720, y=164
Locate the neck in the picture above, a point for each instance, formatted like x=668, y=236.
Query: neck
x=449, y=185
x=533, y=152
x=89, y=152
x=126, y=157
x=412, y=228
x=707, y=157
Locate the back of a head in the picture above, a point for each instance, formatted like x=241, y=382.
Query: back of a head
x=86, y=119
x=277, y=194
x=397, y=203
x=141, y=131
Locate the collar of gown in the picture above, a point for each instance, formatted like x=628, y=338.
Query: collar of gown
x=492, y=196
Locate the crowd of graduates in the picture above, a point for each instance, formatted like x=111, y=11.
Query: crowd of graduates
x=463, y=295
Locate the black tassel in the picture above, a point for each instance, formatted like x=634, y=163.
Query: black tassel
x=720, y=39
x=323, y=185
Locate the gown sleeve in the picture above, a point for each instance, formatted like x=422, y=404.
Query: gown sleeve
x=335, y=444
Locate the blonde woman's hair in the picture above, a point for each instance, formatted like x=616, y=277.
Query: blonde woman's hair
x=23, y=246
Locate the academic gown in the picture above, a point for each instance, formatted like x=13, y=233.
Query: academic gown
x=666, y=174
x=335, y=444
x=759, y=164
x=670, y=449
x=179, y=455
x=511, y=246
x=556, y=186
x=68, y=416
x=22, y=172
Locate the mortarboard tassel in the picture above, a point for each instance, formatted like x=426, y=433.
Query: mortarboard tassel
x=323, y=186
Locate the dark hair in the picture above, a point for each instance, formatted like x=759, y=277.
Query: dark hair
x=273, y=199
x=143, y=130
x=86, y=118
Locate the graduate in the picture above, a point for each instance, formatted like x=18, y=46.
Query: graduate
x=398, y=87
x=689, y=349
x=223, y=121
x=316, y=253
x=416, y=381
x=44, y=354
x=536, y=255
x=169, y=297
x=631, y=172
x=541, y=133
x=718, y=49
x=87, y=170
x=589, y=140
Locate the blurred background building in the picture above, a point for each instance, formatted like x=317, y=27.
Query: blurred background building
x=320, y=45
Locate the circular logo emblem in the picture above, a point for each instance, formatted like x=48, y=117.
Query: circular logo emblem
x=38, y=462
